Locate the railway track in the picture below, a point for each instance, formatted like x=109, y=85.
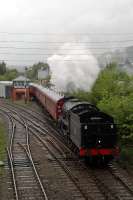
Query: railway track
x=115, y=186
x=76, y=187
x=68, y=177
x=77, y=168
x=121, y=176
x=74, y=170
x=25, y=179
x=86, y=183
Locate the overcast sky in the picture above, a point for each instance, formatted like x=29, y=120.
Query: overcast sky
x=26, y=24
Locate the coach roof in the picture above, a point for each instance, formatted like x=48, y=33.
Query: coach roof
x=52, y=94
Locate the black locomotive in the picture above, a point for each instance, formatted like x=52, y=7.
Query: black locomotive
x=91, y=131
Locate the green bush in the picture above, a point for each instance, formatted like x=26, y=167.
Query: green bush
x=126, y=156
x=2, y=140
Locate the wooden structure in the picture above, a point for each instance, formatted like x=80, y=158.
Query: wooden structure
x=20, y=89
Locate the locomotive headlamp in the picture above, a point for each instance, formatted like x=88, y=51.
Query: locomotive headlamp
x=99, y=141
x=85, y=127
x=112, y=126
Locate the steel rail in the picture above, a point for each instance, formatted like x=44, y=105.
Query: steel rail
x=33, y=125
x=28, y=153
x=12, y=137
x=64, y=167
x=98, y=181
x=38, y=127
x=13, y=174
x=111, y=170
x=9, y=153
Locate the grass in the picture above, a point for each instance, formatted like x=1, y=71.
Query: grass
x=126, y=157
x=2, y=140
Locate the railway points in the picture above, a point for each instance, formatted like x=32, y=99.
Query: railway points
x=82, y=182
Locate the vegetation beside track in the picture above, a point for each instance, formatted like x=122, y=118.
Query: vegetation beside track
x=7, y=74
x=2, y=140
x=126, y=157
x=2, y=158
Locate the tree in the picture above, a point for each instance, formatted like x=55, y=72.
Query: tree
x=111, y=81
x=11, y=74
x=32, y=71
x=113, y=94
x=2, y=68
x=82, y=95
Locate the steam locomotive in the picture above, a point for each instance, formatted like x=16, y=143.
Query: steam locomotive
x=92, y=132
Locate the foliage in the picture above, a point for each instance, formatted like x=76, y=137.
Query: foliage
x=113, y=93
x=7, y=74
x=120, y=108
x=11, y=74
x=32, y=71
x=126, y=157
x=2, y=68
x=85, y=96
x=110, y=82
x=2, y=140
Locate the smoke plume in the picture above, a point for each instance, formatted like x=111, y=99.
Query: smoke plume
x=73, y=67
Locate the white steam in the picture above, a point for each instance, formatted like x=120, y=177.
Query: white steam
x=73, y=67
